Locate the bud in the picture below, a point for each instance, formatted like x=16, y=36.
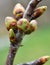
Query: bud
x=23, y=24
x=18, y=11
x=44, y=59
x=33, y=27
x=12, y=35
x=38, y=12
x=39, y=61
x=10, y=22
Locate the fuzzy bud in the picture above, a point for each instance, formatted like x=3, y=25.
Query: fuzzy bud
x=12, y=35
x=44, y=59
x=23, y=24
x=10, y=22
x=38, y=12
x=33, y=27
x=18, y=11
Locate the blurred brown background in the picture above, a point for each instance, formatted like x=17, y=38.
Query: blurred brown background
x=6, y=8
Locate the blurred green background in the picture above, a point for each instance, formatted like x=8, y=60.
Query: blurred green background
x=36, y=44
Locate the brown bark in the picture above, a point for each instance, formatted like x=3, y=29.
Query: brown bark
x=13, y=48
x=30, y=8
x=39, y=61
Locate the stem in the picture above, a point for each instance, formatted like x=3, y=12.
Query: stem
x=30, y=8
x=39, y=61
x=11, y=55
x=13, y=49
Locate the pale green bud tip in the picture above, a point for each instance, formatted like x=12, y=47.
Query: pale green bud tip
x=23, y=24
x=33, y=23
x=44, y=59
x=8, y=18
x=10, y=22
x=18, y=8
x=43, y=8
x=11, y=33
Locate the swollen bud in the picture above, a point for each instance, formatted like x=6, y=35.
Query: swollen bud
x=12, y=35
x=18, y=11
x=44, y=59
x=33, y=27
x=38, y=12
x=39, y=61
x=10, y=22
x=23, y=24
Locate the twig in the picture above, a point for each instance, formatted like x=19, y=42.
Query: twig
x=39, y=61
x=30, y=8
x=13, y=48
x=38, y=12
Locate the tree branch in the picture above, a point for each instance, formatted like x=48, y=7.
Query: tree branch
x=13, y=48
x=18, y=28
x=39, y=61
x=30, y=8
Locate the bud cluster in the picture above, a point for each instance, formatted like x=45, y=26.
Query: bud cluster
x=23, y=22
x=19, y=23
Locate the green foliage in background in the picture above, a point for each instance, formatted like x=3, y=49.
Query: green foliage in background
x=36, y=45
